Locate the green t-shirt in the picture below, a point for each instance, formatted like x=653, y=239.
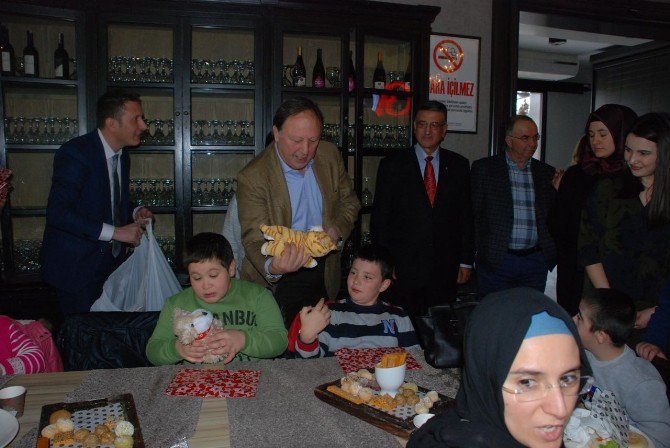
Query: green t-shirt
x=246, y=306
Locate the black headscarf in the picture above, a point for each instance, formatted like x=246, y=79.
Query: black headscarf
x=493, y=336
x=618, y=120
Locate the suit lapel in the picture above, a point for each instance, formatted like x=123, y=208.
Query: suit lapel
x=278, y=189
x=103, y=175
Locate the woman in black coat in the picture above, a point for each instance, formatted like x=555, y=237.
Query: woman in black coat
x=605, y=135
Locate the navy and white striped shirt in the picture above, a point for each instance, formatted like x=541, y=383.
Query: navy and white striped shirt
x=357, y=326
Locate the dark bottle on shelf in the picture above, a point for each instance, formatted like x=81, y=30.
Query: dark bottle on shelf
x=352, y=73
x=379, y=76
x=319, y=72
x=61, y=60
x=6, y=53
x=407, y=79
x=30, y=57
x=299, y=74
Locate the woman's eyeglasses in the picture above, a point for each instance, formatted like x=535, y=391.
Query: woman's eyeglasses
x=530, y=390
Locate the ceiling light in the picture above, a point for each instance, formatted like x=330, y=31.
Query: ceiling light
x=556, y=41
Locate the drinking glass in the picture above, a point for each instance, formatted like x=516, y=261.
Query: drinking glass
x=333, y=77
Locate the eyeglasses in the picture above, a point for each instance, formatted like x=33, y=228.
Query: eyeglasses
x=433, y=125
x=569, y=385
x=527, y=138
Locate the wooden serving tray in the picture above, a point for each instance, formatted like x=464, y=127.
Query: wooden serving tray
x=125, y=401
x=387, y=422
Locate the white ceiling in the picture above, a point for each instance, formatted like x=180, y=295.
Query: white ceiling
x=534, y=34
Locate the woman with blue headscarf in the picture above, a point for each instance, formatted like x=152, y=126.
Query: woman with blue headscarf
x=524, y=369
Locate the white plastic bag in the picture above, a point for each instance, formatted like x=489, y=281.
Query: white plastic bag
x=142, y=283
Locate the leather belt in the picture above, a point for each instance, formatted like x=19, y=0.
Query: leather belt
x=524, y=252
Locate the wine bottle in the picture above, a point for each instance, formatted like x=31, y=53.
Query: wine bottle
x=352, y=73
x=379, y=76
x=318, y=73
x=30, y=57
x=408, y=74
x=6, y=53
x=299, y=74
x=61, y=60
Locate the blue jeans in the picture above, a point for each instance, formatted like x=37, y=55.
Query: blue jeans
x=515, y=270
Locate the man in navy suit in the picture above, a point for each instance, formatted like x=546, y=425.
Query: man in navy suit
x=423, y=215
x=89, y=221
x=512, y=194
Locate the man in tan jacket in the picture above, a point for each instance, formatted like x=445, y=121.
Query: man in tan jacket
x=298, y=181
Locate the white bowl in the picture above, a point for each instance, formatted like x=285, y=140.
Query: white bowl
x=390, y=379
x=420, y=419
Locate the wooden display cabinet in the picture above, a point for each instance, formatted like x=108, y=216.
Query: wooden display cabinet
x=211, y=75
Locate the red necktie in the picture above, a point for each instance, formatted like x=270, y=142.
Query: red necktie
x=429, y=180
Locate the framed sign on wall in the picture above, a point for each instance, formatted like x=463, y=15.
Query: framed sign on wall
x=454, y=79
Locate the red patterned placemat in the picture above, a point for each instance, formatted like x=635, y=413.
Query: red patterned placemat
x=208, y=383
x=353, y=359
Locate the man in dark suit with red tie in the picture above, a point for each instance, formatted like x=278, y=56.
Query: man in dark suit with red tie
x=423, y=215
x=90, y=220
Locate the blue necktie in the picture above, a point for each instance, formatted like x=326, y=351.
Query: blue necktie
x=116, y=195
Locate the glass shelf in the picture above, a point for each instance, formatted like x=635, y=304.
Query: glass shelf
x=140, y=54
x=222, y=56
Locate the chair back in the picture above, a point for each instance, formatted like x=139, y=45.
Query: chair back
x=106, y=340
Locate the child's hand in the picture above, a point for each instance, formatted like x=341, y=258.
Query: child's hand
x=228, y=342
x=313, y=319
x=649, y=351
x=642, y=318
x=194, y=352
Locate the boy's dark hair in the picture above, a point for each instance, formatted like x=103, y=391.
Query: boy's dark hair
x=380, y=255
x=111, y=105
x=611, y=311
x=208, y=246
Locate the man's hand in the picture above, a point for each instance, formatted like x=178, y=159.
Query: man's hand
x=334, y=233
x=313, y=319
x=143, y=214
x=642, y=317
x=649, y=351
x=130, y=233
x=463, y=275
x=292, y=259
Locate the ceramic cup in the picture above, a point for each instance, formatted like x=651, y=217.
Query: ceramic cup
x=13, y=399
x=420, y=419
x=390, y=379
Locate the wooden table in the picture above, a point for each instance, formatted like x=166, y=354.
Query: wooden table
x=44, y=388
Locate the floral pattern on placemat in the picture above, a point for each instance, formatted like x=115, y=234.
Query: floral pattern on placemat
x=353, y=359
x=209, y=383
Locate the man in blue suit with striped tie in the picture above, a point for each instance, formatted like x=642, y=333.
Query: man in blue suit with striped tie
x=90, y=221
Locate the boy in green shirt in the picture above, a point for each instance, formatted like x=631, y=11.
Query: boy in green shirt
x=253, y=324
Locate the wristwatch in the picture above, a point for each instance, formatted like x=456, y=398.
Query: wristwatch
x=339, y=243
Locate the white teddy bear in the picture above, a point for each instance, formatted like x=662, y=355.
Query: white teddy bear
x=190, y=326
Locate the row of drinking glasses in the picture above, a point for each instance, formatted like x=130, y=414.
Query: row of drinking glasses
x=222, y=132
x=159, y=132
x=27, y=255
x=156, y=192
x=386, y=136
x=213, y=191
x=207, y=71
x=40, y=130
x=145, y=69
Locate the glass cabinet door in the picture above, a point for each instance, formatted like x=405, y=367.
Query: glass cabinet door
x=42, y=106
x=140, y=53
x=223, y=132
